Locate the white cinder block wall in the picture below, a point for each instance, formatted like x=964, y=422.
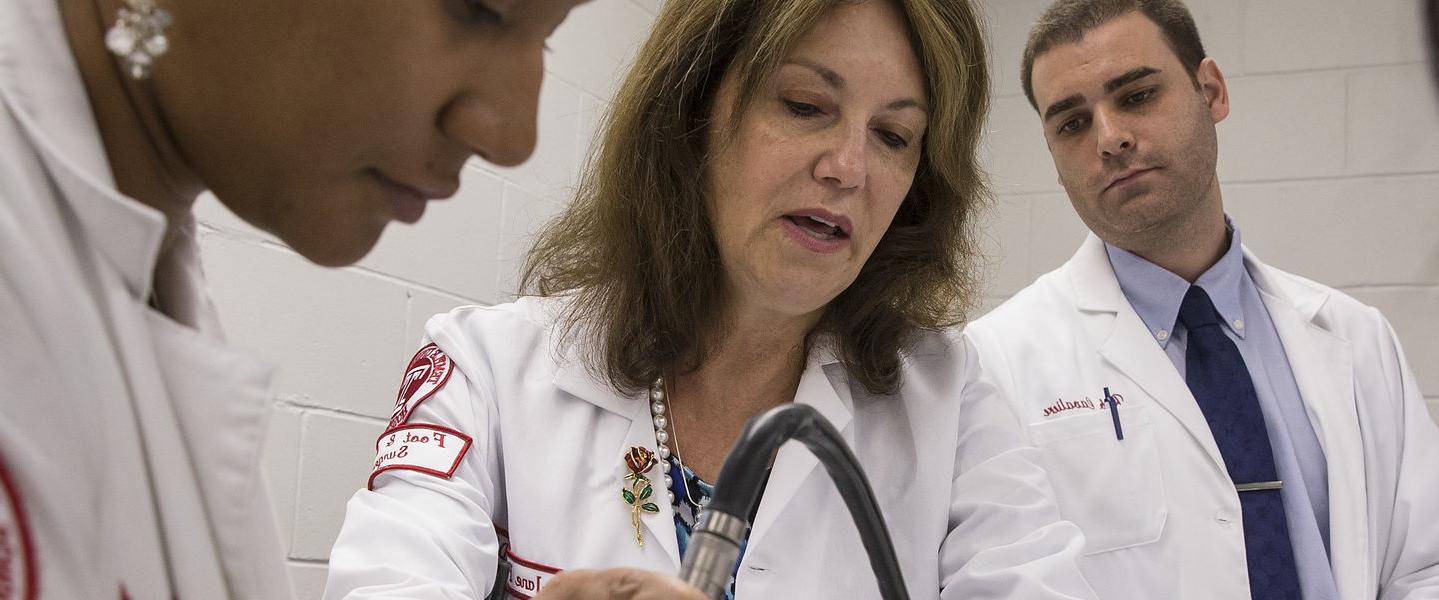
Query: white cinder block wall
x=1330, y=162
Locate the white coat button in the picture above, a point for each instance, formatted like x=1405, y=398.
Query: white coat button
x=1162, y=334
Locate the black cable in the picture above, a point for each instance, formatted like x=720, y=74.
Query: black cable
x=737, y=492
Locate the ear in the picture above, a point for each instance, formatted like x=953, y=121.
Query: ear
x=1215, y=90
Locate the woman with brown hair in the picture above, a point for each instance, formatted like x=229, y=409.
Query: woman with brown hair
x=779, y=210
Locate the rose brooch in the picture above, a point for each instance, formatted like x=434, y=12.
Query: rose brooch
x=638, y=490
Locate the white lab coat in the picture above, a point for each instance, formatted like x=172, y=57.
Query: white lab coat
x=969, y=510
x=1160, y=515
x=129, y=442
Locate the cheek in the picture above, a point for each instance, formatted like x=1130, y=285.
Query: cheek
x=886, y=196
x=726, y=198
x=749, y=177
x=1074, y=166
x=888, y=202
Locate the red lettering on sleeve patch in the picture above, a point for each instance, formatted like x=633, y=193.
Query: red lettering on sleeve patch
x=429, y=449
x=428, y=371
x=17, y=551
x=525, y=578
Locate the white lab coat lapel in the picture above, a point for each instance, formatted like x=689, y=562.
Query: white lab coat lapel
x=1124, y=341
x=118, y=234
x=795, y=464
x=223, y=453
x=1324, y=370
x=572, y=377
x=221, y=398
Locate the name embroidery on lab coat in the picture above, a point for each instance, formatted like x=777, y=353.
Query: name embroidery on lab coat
x=430, y=449
x=1062, y=405
x=427, y=372
x=525, y=578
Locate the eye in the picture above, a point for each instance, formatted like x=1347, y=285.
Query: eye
x=1139, y=97
x=478, y=11
x=1072, y=125
x=802, y=109
x=892, y=139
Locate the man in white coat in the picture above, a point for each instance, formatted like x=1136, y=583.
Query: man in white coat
x=1220, y=429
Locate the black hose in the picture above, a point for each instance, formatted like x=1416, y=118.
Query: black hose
x=737, y=490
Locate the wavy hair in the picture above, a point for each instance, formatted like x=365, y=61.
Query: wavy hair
x=636, y=249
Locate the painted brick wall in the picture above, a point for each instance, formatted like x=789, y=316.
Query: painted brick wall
x=1329, y=159
x=1330, y=163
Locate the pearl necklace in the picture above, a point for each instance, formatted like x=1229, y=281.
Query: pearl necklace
x=659, y=408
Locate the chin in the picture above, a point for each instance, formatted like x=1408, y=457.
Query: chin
x=339, y=249
x=805, y=300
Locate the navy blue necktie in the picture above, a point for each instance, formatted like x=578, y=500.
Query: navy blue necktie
x=1221, y=384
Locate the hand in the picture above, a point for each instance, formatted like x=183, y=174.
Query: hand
x=617, y=584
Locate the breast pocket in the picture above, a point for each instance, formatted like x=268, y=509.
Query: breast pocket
x=1112, y=489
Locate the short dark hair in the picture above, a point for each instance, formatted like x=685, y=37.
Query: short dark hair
x=1066, y=22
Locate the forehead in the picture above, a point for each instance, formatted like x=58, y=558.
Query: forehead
x=866, y=42
x=1124, y=43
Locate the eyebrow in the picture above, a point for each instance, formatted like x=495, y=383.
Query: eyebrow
x=1132, y=76
x=1062, y=105
x=836, y=81
x=1110, y=86
x=908, y=103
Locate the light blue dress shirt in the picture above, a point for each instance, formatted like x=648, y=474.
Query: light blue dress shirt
x=1156, y=294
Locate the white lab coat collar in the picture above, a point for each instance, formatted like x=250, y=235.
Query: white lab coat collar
x=1095, y=287
x=41, y=84
x=823, y=384
x=1123, y=339
x=1307, y=300
x=1323, y=365
x=574, y=374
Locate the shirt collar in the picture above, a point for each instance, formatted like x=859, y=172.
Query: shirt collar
x=41, y=87
x=1156, y=293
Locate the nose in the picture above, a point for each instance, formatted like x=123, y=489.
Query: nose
x=495, y=117
x=1113, y=137
x=843, y=162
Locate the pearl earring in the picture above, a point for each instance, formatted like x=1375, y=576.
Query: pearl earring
x=138, y=36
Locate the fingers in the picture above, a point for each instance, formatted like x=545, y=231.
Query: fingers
x=617, y=584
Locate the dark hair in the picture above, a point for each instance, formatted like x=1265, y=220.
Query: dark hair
x=1066, y=22
x=636, y=250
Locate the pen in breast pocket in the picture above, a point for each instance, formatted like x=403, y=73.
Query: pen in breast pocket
x=1114, y=414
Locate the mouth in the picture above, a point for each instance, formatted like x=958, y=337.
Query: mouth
x=407, y=202
x=818, y=230
x=821, y=223
x=1128, y=177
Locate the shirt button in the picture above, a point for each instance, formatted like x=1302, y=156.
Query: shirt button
x=1239, y=323
x=1162, y=335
